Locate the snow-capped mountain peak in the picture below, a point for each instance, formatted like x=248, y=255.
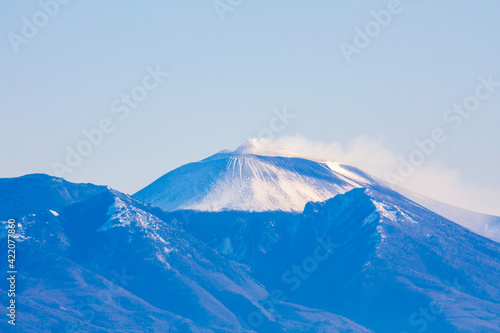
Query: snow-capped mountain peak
x=246, y=181
x=252, y=179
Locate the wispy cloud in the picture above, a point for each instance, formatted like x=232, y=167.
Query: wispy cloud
x=433, y=179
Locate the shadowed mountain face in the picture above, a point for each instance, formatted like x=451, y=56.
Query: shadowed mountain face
x=357, y=257
x=31, y=193
x=389, y=259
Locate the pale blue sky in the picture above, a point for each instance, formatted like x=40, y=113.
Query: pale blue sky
x=227, y=76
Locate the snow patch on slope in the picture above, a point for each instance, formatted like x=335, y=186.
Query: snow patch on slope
x=122, y=215
x=256, y=186
x=352, y=178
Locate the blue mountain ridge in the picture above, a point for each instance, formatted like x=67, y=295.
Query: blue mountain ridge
x=365, y=259
x=102, y=259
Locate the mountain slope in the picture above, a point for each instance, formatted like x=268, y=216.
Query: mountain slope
x=482, y=224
